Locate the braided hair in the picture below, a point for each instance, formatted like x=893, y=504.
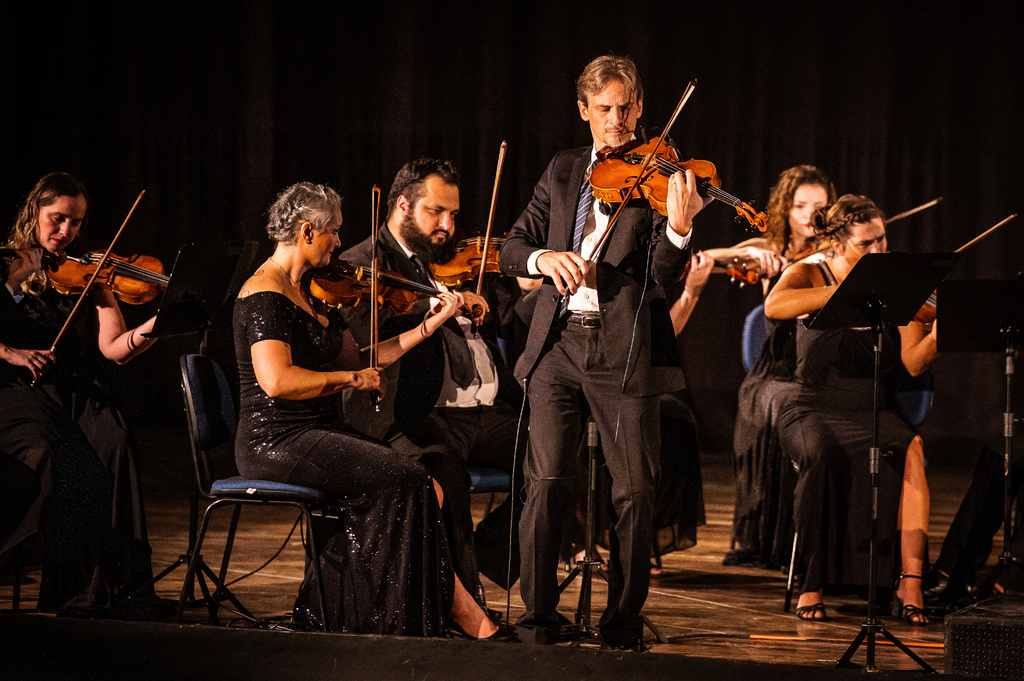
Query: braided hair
x=835, y=222
x=301, y=202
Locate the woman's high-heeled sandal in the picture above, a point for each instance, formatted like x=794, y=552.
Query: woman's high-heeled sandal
x=809, y=613
x=907, y=612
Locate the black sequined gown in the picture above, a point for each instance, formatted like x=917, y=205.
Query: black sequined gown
x=385, y=560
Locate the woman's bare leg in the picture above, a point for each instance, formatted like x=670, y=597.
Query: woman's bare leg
x=466, y=612
x=915, y=507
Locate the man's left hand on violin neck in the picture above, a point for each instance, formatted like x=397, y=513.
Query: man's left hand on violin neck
x=683, y=202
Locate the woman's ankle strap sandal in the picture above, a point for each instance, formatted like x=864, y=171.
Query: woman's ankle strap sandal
x=907, y=612
x=810, y=613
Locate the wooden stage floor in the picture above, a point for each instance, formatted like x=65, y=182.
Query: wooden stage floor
x=703, y=608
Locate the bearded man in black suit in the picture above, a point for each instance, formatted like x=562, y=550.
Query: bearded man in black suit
x=454, y=396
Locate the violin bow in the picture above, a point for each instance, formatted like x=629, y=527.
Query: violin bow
x=490, y=218
x=374, y=309
x=642, y=174
x=918, y=209
x=99, y=266
x=986, y=233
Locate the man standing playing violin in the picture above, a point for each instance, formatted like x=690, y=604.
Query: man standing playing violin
x=600, y=343
x=458, y=393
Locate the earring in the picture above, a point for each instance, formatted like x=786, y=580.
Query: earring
x=309, y=239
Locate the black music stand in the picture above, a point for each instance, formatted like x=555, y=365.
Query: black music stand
x=987, y=316
x=581, y=630
x=881, y=291
x=205, y=276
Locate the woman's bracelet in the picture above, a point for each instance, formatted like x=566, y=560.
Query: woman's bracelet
x=131, y=344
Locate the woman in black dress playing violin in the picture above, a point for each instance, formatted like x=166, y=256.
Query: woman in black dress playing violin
x=762, y=533
x=65, y=449
x=826, y=429
x=386, y=565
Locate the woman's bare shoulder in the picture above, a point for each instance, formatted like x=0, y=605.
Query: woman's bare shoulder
x=261, y=280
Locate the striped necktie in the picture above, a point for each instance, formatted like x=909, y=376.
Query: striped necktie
x=583, y=207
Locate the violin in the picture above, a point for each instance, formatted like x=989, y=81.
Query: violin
x=615, y=174
x=926, y=315
x=134, y=280
x=468, y=260
x=816, y=247
x=737, y=272
x=343, y=285
x=743, y=274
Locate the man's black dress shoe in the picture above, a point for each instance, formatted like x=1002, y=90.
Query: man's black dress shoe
x=940, y=591
x=637, y=646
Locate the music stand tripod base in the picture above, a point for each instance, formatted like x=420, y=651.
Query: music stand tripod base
x=204, y=278
x=581, y=630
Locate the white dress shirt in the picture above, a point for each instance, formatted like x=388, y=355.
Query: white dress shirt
x=585, y=299
x=484, y=387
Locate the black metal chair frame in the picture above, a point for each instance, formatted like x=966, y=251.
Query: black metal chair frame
x=211, y=418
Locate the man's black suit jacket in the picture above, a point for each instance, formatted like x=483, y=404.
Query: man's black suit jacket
x=421, y=373
x=636, y=331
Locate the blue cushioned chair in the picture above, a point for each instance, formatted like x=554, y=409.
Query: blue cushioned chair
x=483, y=480
x=488, y=480
x=914, y=395
x=212, y=420
x=754, y=334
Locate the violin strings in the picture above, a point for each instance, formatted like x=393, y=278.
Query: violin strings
x=668, y=168
x=135, y=272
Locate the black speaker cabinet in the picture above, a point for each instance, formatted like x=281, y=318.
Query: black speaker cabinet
x=987, y=639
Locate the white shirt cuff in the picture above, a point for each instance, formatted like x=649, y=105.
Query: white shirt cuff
x=677, y=240
x=531, y=263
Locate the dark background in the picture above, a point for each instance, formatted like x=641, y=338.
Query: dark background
x=214, y=109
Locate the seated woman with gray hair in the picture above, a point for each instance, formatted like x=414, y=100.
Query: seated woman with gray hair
x=385, y=564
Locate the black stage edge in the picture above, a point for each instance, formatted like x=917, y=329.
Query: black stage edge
x=44, y=647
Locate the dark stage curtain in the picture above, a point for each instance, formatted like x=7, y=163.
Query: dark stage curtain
x=215, y=107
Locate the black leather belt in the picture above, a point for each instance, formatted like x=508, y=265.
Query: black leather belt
x=588, y=320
